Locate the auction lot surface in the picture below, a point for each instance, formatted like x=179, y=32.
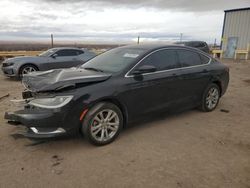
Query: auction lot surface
x=191, y=149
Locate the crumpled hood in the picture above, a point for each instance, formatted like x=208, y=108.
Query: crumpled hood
x=61, y=78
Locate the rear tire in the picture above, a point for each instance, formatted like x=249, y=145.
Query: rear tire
x=210, y=98
x=102, y=123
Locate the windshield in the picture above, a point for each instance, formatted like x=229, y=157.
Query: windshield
x=114, y=60
x=47, y=53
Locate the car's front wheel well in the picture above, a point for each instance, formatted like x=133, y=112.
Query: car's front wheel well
x=119, y=105
x=27, y=64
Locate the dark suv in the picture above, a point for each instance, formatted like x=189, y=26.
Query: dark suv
x=196, y=44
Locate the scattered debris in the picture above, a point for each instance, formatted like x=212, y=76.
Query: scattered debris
x=179, y=184
x=57, y=158
x=58, y=172
x=4, y=96
x=221, y=142
x=247, y=81
x=55, y=164
x=224, y=110
x=56, y=161
x=17, y=136
x=34, y=143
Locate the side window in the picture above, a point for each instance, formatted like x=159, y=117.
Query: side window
x=79, y=52
x=162, y=60
x=201, y=45
x=204, y=59
x=188, y=58
x=67, y=52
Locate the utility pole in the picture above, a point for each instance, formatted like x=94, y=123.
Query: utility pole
x=138, y=40
x=214, y=42
x=52, y=41
x=181, y=35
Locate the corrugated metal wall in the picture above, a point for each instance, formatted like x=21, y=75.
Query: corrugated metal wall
x=237, y=24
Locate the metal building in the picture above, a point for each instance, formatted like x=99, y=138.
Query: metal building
x=236, y=31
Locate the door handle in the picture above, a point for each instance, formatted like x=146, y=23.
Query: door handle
x=204, y=71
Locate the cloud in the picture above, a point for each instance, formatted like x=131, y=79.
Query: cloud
x=181, y=5
x=116, y=20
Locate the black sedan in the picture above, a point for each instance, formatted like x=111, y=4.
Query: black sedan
x=102, y=96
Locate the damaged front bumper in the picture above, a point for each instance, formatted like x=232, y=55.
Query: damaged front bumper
x=38, y=124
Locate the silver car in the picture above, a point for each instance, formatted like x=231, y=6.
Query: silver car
x=54, y=58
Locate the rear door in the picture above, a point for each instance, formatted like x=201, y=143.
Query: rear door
x=195, y=74
x=157, y=90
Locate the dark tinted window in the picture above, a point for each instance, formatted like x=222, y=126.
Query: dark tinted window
x=204, y=59
x=188, y=58
x=201, y=44
x=162, y=60
x=78, y=52
x=195, y=44
x=67, y=52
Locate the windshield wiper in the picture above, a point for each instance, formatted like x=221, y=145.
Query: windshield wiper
x=93, y=69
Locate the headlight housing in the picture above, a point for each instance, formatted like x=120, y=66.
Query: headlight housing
x=51, y=103
x=7, y=64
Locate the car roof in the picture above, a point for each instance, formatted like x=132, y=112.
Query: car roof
x=191, y=41
x=66, y=48
x=152, y=47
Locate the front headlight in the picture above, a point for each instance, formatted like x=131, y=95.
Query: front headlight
x=7, y=64
x=51, y=103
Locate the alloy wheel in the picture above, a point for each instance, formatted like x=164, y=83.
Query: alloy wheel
x=212, y=98
x=105, y=125
x=27, y=70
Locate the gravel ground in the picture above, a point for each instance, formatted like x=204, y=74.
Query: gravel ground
x=190, y=149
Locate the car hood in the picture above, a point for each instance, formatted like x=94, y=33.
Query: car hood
x=25, y=59
x=54, y=80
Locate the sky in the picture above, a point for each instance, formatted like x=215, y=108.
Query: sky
x=114, y=21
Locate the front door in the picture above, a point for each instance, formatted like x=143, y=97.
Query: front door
x=154, y=91
x=231, y=47
x=64, y=58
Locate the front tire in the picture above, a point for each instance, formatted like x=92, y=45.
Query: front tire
x=25, y=69
x=102, y=124
x=210, y=98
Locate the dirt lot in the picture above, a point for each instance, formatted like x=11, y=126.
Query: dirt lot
x=191, y=149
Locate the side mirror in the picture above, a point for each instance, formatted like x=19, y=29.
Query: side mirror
x=144, y=69
x=54, y=56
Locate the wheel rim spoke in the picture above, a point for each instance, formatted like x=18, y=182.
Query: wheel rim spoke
x=97, y=127
x=28, y=70
x=102, y=135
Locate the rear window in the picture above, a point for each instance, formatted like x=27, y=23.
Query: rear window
x=204, y=59
x=189, y=58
